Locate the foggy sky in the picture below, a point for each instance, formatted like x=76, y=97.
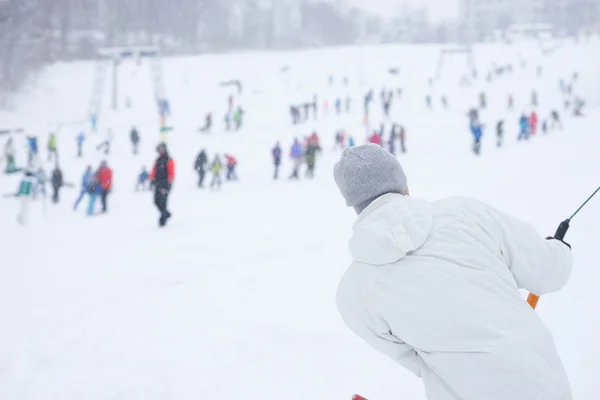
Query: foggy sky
x=438, y=9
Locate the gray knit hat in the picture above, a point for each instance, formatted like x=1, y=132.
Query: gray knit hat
x=367, y=172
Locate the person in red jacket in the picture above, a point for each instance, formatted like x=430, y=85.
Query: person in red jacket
x=231, y=164
x=533, y=121
x=162, y=177
x=375, y=138
x=104, y=177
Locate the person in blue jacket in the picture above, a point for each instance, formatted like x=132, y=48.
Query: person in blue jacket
x=80, y=140
x=142, y=180
x=85, y=180
x=524, y=126
x=477, y=130
x=93, y=189
x=33, y=147
x=351, y=142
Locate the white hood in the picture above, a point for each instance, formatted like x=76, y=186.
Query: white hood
x=390, y=228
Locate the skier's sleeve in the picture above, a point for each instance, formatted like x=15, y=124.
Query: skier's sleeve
x=171, y=170
x=538, y=265
x=374, y=330
x=153, y=172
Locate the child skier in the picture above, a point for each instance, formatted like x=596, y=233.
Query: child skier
x=142, y=181
x=216, y=168
x=231, y=164
x=276, y=153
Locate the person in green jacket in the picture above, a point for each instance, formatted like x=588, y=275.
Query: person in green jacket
x=238, y=118
x=52, y=148
x=216, y=168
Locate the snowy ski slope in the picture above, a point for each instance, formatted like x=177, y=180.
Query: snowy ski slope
x=236, y=297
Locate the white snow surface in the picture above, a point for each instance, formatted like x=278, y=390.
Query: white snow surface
x=236, y=297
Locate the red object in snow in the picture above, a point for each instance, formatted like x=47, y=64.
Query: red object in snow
x=358, y=397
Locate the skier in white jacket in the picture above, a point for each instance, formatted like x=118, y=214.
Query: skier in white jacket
x=435, y=286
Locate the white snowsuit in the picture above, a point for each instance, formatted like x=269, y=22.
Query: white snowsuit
x=435, y=286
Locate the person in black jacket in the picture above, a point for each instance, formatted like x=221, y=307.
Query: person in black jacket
x=200, y=167
x=135, y=139
x=162, y=175
x=57, y=183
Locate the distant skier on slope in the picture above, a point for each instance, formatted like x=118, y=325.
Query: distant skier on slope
x=533, y=123
x=216, y=167
x=276, y=154
x=499, y=133
x=555, y=120
x=57, y=181
x=435, y=286
x=85, y=184
x=142, y=180
x=207, y=124
x=524, y=128
x=477, y=131
x=231, y=166
x=200, y=167
x=135, y=139
x=52, y=148
x=105, y=181
x=297, y=156
x=80, y=140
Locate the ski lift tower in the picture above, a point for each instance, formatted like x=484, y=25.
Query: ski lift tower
x=113, y=56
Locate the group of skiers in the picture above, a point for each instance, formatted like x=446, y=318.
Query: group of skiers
x=397, y=134
x=233, y=115
x=300, y=153
x=528, y=125
x=216, y=166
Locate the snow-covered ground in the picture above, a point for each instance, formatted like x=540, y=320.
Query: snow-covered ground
x=236, y=297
